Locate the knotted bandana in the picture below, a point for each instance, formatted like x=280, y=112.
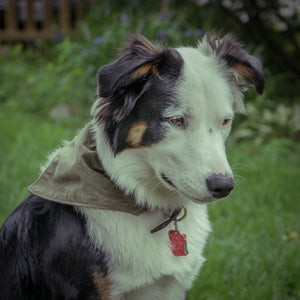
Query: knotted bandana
x=76, y=177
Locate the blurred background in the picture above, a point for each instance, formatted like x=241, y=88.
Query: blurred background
x=50, y=51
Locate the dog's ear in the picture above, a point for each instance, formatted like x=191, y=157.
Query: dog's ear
x=137, y=61
x=123, y=81
x=247, y=68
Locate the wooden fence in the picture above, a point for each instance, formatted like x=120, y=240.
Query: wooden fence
x=38, y=19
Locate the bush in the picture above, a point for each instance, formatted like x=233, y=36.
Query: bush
x=63, y=72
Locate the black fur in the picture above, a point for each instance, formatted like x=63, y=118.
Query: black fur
x=45, y=253
x=231, y=51
x=141, y=99
x=45, y=250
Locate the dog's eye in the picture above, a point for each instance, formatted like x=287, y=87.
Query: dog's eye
x=226, y=122
x=178, y=121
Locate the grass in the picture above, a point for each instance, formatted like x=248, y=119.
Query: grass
x=26, y=142
x=253, y=252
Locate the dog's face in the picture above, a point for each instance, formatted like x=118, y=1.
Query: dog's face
x=166, y=114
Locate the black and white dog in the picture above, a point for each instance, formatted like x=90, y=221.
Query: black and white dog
x=156, y=142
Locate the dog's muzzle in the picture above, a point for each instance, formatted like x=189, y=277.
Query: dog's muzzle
x=219, y=185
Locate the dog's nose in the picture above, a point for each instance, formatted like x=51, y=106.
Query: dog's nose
x=219, y=185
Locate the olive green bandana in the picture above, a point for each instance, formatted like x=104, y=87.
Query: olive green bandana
x=76, y=177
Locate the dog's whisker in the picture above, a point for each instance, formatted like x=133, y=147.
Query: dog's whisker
x=239, y=179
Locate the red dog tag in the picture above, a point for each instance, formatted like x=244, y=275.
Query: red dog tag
x=178, y=243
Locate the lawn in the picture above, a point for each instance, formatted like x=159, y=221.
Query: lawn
x=254, y=249
x=253, y=252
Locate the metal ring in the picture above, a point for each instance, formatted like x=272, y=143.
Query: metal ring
x=184, y=215
x=182, y=218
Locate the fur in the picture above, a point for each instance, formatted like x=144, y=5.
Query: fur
x=160, y=124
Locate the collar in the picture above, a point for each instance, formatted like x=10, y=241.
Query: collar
x=76, y=177
x=173, y=217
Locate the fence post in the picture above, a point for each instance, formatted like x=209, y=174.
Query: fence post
x=29, y=12
x=31, y=32
x=47, y=16
x=64, y=16
x=80, y=9
x=11, y=16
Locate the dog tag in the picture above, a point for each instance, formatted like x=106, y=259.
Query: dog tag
x=178, y=243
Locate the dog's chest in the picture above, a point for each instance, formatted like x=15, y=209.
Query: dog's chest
x=136, y=257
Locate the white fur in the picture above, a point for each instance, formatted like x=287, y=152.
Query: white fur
x=138, y=259
x=141, y=265
x=187, y=157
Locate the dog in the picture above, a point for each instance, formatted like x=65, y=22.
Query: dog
x=120, y=212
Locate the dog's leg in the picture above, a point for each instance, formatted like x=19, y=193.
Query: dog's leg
x=166, y=288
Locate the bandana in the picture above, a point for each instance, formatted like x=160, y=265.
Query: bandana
x=76, y=177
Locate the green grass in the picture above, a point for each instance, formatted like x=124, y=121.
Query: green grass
x=253, y=252
x=26, y=141
x=254, y=249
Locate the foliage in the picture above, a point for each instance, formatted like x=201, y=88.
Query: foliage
x=39, y=82
x=253, y=251
x=46, y=74
x=27, y=140
x=274, y=25
x=263, y=123
x=64, y=72
x=270, y=29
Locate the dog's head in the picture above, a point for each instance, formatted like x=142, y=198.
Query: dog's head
x=165, y=114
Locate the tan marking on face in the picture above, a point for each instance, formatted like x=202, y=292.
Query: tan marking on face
x=136, y=134
x=102, y=284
